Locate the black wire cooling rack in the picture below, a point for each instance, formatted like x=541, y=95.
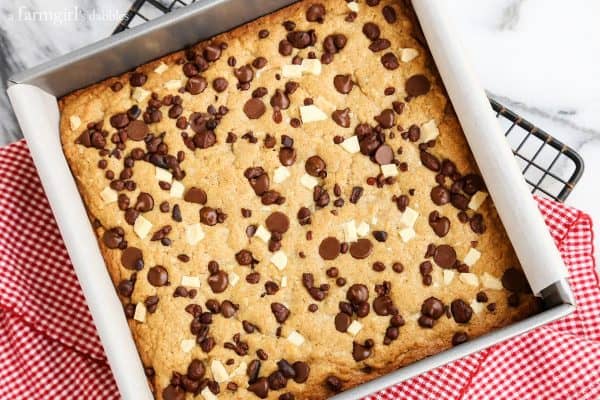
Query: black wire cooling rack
x=551, y=168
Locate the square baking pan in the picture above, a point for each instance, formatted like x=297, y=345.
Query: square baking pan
x=34, y=94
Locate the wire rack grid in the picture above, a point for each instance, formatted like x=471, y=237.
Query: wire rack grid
x=551, y=169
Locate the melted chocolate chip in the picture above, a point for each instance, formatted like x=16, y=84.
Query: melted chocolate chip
x=461, y=311
x=362, y=248
x=254, y=108
x=329, y=248
x=342, y=117
x=439, y=224
x=278, y=222
x=445, y=256
x=440, y=195
x=132, y=258
x=384, y=155
x=432, y=307
x=218, y=282
x=515, y=281
x=137, y=130
x=195, y=195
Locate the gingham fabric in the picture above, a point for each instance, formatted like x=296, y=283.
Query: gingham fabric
x=49, y=348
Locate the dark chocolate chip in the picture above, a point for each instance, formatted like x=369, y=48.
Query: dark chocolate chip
x=417, y=85
x=158, y=276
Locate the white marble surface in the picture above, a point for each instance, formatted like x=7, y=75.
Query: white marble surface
x=539, y=57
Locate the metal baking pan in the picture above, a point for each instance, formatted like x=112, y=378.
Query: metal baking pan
x=34, y=94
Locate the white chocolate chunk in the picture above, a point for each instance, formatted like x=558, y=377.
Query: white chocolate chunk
x=295, y=338
x=407, y=234
x=173, y=84
x=75, y=122
x=311, y=66
x=448, y=276
x=240, y=370
x=163, y=175
x=477, y=200
x=207, y=394
x=139, y=94
x=140, y=312
x=350, y=231
x=279, y=259
x=162, y=67
x=309, y=181
x=429, y=131
x=187, y=345
x=284, y=281
x=312, y=113
x=472, y=257
x=194, y=234
x=177, y=189
x=190, y=281
x=469, y=278
x=408, y=54
x=292, y=71
x=142, y=227
x=354, y=328
x=491, y=282
x=476, y=306
x=363, y=229
x=389, y=170
x=353, y=6
x=281, y=174
x=409, y=217
x=262, y=233
x=233, y=278
x=351, y=145
x=108, y=195
x=219, y=372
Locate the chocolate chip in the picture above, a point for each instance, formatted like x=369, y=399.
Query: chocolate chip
x=302, y=371
x=158, y=276
x=315, y=166
x=280, y=100
x=459, y=338
x=342, y=322
x=514, y=280
x=137, y=130
x=459, y=201
x=315, y=13
x=260, y=388
x=371, y=31
x=212, y=52
x=440, y=195
x=196, y=370
x=144, y=202
x=357, y=294
x=301, y=39
x=276, y=380
x=481, y=297
x=379, y=45
x=287, y=156
x=477, y=224
x=137, y=79
x=513, y=300
x=208, y=216
x=461, y=311
x=113, y=238
x=125, y=287
x=343, y=83
x=445, y=256
x=285, y=48
x=173, y=392
x=196, y=85
x=383, y=305
x=360, y=352
x=417, y=85
x=220, y=84
x=360, y=249
x=228, y=309
x=280, y=312
x=244, y=257
x=278, y=222
x=432, y=307
x=132, y=258
x=389, y=14
x=218, y=282
x=304, y=216
x=333, y=383
x=356, y=194
x=254, y=108
x=439, y=224
x=244, y=74
x=390, y=61
x=342, y=117
x=195, y=195
x=430, y=161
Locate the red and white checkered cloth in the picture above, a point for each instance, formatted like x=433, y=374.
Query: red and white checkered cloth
x=49, y=348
